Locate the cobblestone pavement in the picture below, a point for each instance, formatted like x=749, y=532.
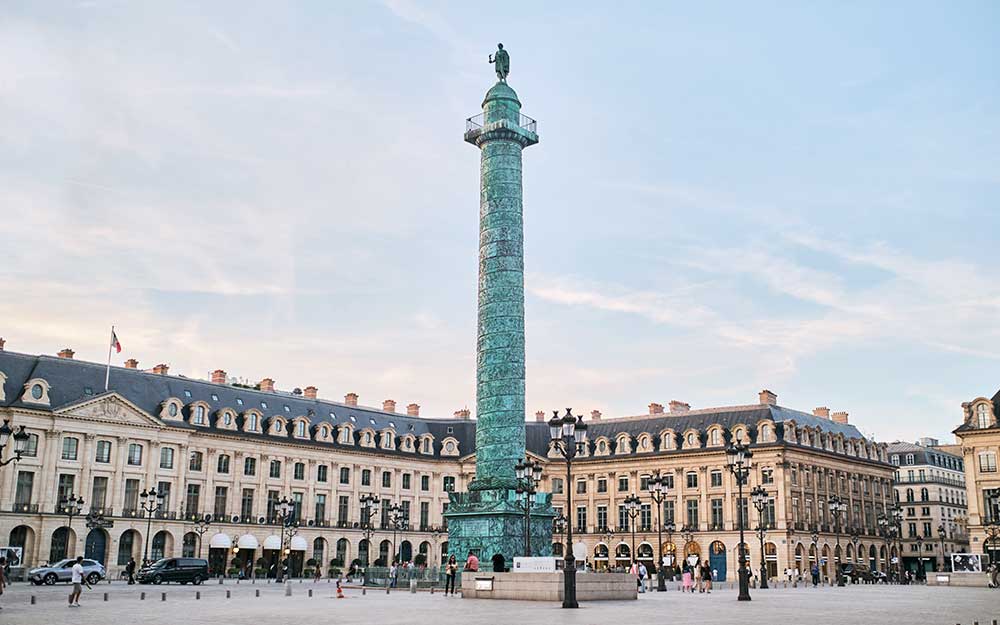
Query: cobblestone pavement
x=882, y=605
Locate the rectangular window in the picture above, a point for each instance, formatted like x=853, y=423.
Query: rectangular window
x=405, y=505
x=692, y=479
x=602, y=485
x=99, y=493
x=449, y=484
x=668, y=511
x=272, y=504
x=299, y=471
x=623, y=484
x=581, y=519
x=366, y=477
x=425, y=482
x=743, y=509
x=345, y=475
x=191, y=504
x=407, y=478
x=321, y=473
x=343, y=509
x=692, y=513
x=31, y=446
x=716, y=479
x=250, y=466
x=65, y=488
x=222, y=465
x=246, y=503
x=557, y=486
x=164, y=489
x=275, y=469
x=135, y=454
x=987, y=462
x=581, y=487
x=69, y=448
x=386, y=479
x=646, y=517
x=194, y=464
x=25, y=485
x=767, y=476
x=297, y=506
x=103, y=452
x=716, y=514
x=320, y=511
x=166, y=457
x=769, y=515
x=425, y=514
x=221, y=497
x=602, y=518
x=131, y=495
x=623, y=519
x=643, y=483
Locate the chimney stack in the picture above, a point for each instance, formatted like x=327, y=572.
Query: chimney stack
x=66, y=353
x=389, y=405
x=161, y=369
x=351, y=399
x=656, y=408
x=131, y=363
x=413, y=410
x=822, y=412
x=267, y=384
x=218, y=376
x=540, y=416
x=595, y=415
x=464, y=413
x=767, y=398
x=679, y=406
x=840, y=417
x=310, y=392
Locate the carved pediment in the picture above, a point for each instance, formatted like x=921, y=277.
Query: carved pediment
x=110, y=408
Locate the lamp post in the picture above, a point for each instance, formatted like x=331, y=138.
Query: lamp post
x=369, y=510
x=632, y=506
x=837, y=507
x=289, y=527
x=991, y=540
x=687, y=533
x=71, y=506
x=759, y=498
x=201, y=526
x=670, y=527
x=815, y=543
x=399, y=522
x=920, y=557
x=896, y=519
x=20, y=442
x=739, y=459
x=657, y=493
x=529, y=475
x=942, y=534
x=855, y=539
x=568, y=435
x=150, y=502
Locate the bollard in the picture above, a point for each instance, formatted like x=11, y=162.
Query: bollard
x=220, y=580
x=142, y=596
x=256, y=592
x=432, y=589
x=105, y=596
x=310, y=592
x=227, y=593
x=364, y=591
x=197, y=594
x=288, y=589
x=163, y=596
x=32, y=599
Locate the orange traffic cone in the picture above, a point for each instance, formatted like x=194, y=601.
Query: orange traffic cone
x=340, y=591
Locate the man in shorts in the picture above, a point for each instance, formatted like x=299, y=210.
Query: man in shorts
x=78, y=581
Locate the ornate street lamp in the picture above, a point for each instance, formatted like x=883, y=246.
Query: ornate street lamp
x=658, y=493
x=670, y=527
x=632, y=507
x=991, y=541
x=855, y=539
x=285, y=510
x=399, y=522
x=739, y=457
x=568, y=436
x=837, y=507
x=150, y=502
x=201, y=526
x=369, y=510
x=759, y=498
x=920, y=557
x=529, y=475
x=20, y=442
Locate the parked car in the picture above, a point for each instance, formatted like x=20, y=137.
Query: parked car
x=854, y=573
x=62, y=571
x=182, y=570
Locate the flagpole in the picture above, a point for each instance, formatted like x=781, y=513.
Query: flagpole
x=107, y=375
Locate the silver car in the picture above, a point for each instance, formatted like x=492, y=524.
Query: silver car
x=62, y=571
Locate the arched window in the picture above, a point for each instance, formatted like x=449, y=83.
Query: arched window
x=923, y=494
x=909, y=494
x=765, y=433
x=983, y=416
x=716, y=437
x=190, y=546
x=199, y=415
x=690, y=439
x=252, y=422
x=300, y=429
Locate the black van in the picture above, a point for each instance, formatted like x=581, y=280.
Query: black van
x=183, y=570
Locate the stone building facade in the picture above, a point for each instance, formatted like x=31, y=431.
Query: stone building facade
x=232, y=451
x=930, y=488
x=979, y=437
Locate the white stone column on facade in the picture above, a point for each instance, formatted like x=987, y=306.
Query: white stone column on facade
x=53, y=441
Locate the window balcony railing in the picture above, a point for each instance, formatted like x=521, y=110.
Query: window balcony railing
x=25, y=508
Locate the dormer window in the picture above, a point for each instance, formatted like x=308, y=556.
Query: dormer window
x=765, y=433
x=716, y=437
x=227, y=419
x=263, y=405
x=36, y=391
x=187, y=394
x=199, y=415
x=983, y=416
x=287, y=409
x=277, y=427
x=172, y=409
x=300, y=429
x=252, y=422
x=690, y=439
x=239, y=401
x=215, y=397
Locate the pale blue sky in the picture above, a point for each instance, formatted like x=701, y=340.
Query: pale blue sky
x=726, y=197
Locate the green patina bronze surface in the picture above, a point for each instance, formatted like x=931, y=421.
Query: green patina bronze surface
x=487, y=519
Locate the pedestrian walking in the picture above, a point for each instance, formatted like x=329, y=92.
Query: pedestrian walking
x=643, y=576
x=130, y=571
x=78, y=581
x=449, y=578
x=686, y=578
x=815, y=574
x=393, y=573
x=706, y=576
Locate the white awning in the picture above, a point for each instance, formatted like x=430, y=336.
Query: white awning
x=298, y=544
x=247, y=541
x=220, y=541
x=272, y=542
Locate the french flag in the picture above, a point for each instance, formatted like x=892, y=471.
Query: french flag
x=115, y=342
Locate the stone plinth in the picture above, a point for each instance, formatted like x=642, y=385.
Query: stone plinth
x=549, y=586
x=978, y=580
